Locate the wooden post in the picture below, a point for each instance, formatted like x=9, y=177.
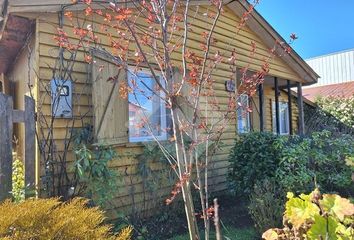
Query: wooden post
x=277, y=122
x=261, y=103
x=5, y=146
x=30, y=146
x=301, y=109
x=290, y=108
x=217, y=220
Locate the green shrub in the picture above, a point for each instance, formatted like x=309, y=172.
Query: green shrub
x=52, y=219
x=93, y=178
x=340, y=107
x=254, y=156
x=314, y=217
x=266, y=205
x=318, y=160
x=297, y=164
x=264, y=166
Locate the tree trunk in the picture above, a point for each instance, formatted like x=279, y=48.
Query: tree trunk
x=183, y=166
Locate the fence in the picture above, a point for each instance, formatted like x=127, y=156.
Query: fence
x=9, y=116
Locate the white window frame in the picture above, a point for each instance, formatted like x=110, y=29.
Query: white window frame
x=247, y=128
x=163, y=113
x=281, y=122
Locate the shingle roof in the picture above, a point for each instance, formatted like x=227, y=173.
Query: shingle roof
x=335, y=90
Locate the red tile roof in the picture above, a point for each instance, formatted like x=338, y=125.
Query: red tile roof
x=334, y=90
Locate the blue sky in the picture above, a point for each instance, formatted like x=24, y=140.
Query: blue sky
x=323, y=26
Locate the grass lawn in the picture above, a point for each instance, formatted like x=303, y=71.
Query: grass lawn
x=231, y=233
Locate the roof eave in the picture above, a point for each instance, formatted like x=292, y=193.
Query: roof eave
x=13, y=36
x=261, y=27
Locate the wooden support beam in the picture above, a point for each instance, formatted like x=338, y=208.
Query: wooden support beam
x=30, y=146
x=300, y=104
x=261, y=105
x=276, y=91
x=290, y=108
x=5, y=146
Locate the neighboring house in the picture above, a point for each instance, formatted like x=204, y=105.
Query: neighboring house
x=334, y=68
x=340, y=90
x=33, y=25
x=337, y=80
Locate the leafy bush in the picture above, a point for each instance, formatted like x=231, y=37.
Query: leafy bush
x=266, y=205
x=51, y=219
x=297, y=164
x=264, y=166
x=93, y=177
x=315, y=216
x=97, y=179
x=254, y=156
x=317, y=160
x=339, y=107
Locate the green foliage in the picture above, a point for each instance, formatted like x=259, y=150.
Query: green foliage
x=296, y=164
x=316, y=160
x=52, y=219
x=315, y=216
x=254, y=156
x=18, y=179
x=266, y=205
x=92, y=172
x=341, y=108
x=157, y=177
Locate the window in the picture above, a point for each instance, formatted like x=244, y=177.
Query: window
x=118, y=120
x=243, y=114
x=283, y=118
x=147, y=111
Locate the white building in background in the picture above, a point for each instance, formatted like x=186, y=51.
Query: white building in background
x=333, y=68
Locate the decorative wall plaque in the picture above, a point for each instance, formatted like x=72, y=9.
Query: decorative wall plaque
x=230, y=86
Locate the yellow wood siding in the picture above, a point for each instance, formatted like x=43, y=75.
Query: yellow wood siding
x=226, y=41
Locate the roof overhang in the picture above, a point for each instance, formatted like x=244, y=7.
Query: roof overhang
x=18, y=6
x=268, y=34
x=13, y=35
x=256, y=23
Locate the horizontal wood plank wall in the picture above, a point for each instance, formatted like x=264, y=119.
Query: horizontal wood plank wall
x=269, y=98
x=226, y=41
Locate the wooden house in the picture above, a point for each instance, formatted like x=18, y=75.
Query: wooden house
x=29, y=53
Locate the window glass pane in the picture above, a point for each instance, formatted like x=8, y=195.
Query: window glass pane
x=283, y=118
x=147, y=113
x=243, y=115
